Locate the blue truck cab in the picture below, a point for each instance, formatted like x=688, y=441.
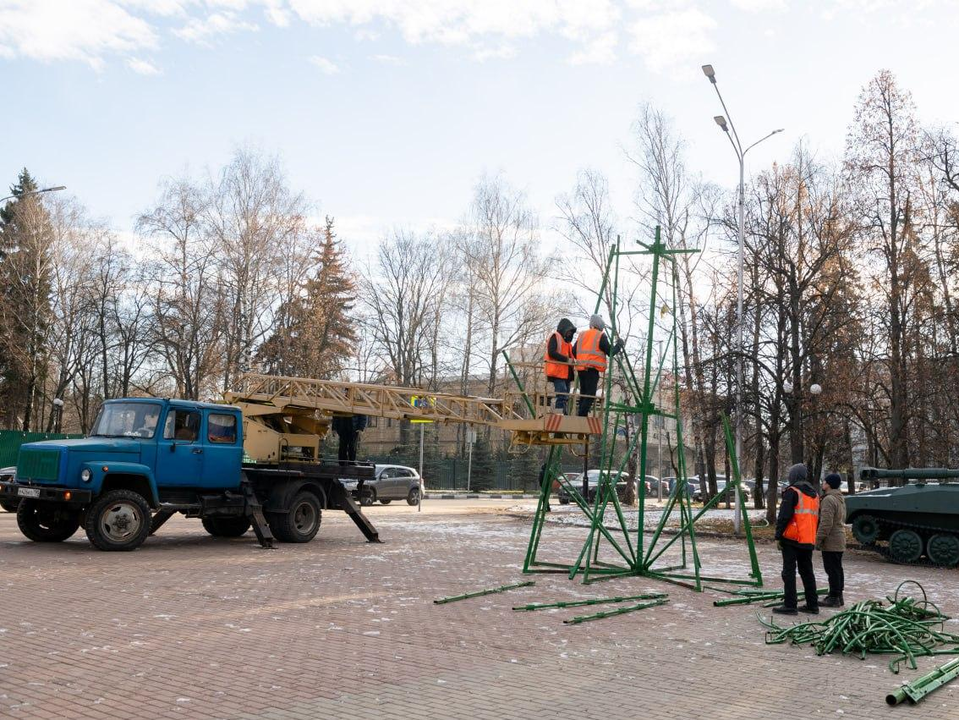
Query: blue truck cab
x=147, y=459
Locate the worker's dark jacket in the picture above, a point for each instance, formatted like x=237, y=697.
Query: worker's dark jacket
x=787, y=506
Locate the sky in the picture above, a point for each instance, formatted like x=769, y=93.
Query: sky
x=387, y=112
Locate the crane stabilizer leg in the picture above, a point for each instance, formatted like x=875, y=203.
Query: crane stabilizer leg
x=348, y=505
x=257, y=519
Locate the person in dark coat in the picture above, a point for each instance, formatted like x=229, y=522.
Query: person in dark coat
x=831, y=538
x=796, y=534
x=348, y=428
x=592, y=350
x=558, y=362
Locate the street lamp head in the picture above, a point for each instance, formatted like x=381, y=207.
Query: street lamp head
x=815, y=389
x=778, y=130
x=787, y=386
x=721, y=121
x=711, y=75
x=58, y=402
x=54, y=189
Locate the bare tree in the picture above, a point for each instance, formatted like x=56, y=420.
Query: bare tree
x=507, y=268
x=186, y=306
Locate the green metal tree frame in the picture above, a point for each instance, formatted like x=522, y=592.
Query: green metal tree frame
x=640, y=557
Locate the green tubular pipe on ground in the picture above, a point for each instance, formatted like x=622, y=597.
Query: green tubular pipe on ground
x=611, y=613
x=753, y=597
x=905, y=628
x=924, y=685
x=479, y=593
x=595, y=601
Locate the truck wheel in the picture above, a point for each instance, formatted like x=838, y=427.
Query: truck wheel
x=118, y=520
x=413, y=497
x=10, y=505
x=230, y=527
x=47, y=522
x=866, y=529
x=301, y=523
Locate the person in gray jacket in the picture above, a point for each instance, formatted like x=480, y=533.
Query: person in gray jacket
x=831, y=539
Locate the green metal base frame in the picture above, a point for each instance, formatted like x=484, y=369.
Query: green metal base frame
x=637, y=558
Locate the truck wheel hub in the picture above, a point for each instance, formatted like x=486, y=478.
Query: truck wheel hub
x=120, y=521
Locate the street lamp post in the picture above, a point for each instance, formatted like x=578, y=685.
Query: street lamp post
x=731, y=133
x=35, y=192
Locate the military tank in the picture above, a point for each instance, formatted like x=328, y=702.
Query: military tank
x=915, y=520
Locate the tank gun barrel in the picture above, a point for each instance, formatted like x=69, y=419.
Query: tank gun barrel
x=910, y=474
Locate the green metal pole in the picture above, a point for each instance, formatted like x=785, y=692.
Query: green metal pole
x=479, y=593
x=742, y=509
x=611, y=613
x=595, y=601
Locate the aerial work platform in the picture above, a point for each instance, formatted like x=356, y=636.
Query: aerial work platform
x=290, y=413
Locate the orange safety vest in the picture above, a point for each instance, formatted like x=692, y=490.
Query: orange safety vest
x=553, y=368
x=802, y=527
x=589, y=354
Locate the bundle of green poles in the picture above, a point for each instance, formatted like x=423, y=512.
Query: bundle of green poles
x=925, y=684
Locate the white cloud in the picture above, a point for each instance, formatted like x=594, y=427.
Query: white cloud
x=389, y=59
x=599, y=51
x=502, y=52
x=84, y=30
x=142, y=67
x=202, y=30
x=759, y=5
x=672, y=38
x=327, y=67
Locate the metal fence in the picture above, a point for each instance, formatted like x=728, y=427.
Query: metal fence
x=11, y=440
x=451, y=474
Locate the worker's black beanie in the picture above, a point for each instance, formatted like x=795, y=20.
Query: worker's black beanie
x=833, y=480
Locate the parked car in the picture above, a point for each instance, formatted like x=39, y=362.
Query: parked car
x=653, y=483
x=721, y=484
x=593, y=479
x=390, y=482
x=8, y=474
x=671, y=482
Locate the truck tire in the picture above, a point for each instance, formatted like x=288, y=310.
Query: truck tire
x=301, y=523
x=47, y=522
x=118, y=520
x=230, y=526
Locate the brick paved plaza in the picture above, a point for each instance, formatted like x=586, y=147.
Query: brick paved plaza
x=194, y=627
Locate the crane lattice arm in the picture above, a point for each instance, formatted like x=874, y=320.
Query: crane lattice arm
x=287, y=416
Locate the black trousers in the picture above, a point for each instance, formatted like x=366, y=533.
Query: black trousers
x=797, y=559
x=833, y=566
x=589, y=379
x=347, y=450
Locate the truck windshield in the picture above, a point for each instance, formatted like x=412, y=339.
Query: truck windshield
x=127, y=419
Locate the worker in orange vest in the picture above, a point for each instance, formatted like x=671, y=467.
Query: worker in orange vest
x=558, y=362
x=591, y=351
x=797, y=535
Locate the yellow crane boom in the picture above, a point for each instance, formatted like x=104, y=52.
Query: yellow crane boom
x=285, y=417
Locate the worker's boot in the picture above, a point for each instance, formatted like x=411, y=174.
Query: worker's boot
x=831, y=601
x=784, y=610
x=810, y=610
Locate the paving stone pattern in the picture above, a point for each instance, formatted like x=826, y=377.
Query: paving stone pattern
x=195, y=627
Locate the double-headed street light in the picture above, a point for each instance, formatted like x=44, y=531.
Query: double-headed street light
x=28, y=193
x=731, y=133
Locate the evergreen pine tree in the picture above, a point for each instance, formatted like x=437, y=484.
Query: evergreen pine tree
x=25, y=240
